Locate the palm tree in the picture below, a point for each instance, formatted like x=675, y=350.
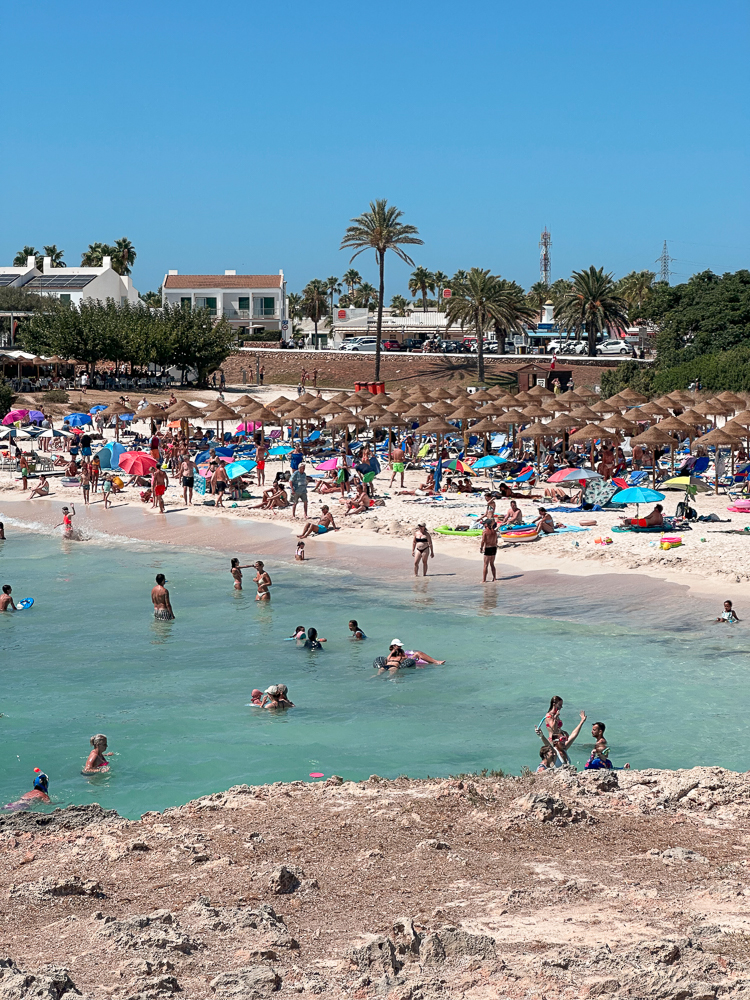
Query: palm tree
x=315, y=302
x=95, y=254
x=636, y=288
x=459, y=277
x=593, y=304
x=20, y=259
x=352, y=278
x=152, y=299
x=294, y=303
x=483, y=299
x=123, y=255
x=558, y=290
x=515, y=311
x=400, y=306
x=365, y=295
x=380, y=230
x=420, y=282
x=538, y=295
x=441, y=280
x=55, y=256
x=334, y=288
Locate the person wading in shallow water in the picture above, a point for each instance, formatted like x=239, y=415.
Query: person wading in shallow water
x=160, y=600
x=264, y=582
x=488, y=548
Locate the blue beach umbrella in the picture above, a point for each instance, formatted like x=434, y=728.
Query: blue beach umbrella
x=637, y=495
x=78, y=419
x=95, y=409
x=489, y=462
x=236, y=469
x=281, y=449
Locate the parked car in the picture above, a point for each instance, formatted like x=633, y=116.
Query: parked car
x=614, y=347
x=390, y=345
x=412, y=344
x=359, y=344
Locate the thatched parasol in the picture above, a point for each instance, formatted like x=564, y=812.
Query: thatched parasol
x=485, y=426
x=743, y=418
x=482, y=396
x=617, y=422
x=421, y=395
x=631, y=397
x=443, y=408
x=540, y=390
x=399, y=406
x=571, y=396
x=339, y=397
x=437, y=426
x=347, y=419
x=306, y=397
x=523, y=397
x=732, y=399
x=605, y=406
x=651, y=439
x=243, y=401
x=650, y=410
x=533, y=411
x=493, y=409
x=718, y=438
x=584, y=414
x=151, y=412
x=419, y=412
x=589, y=433
x=563, y=423
x=373, y=410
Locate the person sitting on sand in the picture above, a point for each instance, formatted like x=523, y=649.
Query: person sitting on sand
x=275, y=697
x=561, y=495
x=464, y=485
x=97, y=759
x=360, y=503
x=546, y=522
x=273, y=499
x=327, y=485
x=728, y=614
x=514, y=515
x=325, y=523
x=654, y=519
x=37, y=794
x=72, y=469
x=42, y=490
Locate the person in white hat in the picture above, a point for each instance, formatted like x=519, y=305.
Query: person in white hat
x=399, y=658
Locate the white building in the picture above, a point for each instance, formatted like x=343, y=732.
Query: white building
x=418, y=325
x=15, y=277
x=252, y=303
x=74, y=284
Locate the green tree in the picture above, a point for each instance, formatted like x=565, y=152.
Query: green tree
x=513, y=312
x=441, y=280
x=294, y=304
x=537, y=296
x=366, y=296
x=55, y=256
x=123, y=255
x=381, y=230
x=20, y=259
x=592, y=305
x=334, y=288
x=420, y=282
x=152, y=299
x=400, y=306
x=459, y=277
x=558, y=290
x=630, y=375
x=6, y=396
x=636, y=289
x=95, y=254
x=351, y=279
x=483, y=300
x=198, y=341
x=315, y=302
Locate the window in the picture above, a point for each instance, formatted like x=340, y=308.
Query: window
x=65, y=298
x=185, y=302
x=244, y=303
x=263, y=306
x=206, y=303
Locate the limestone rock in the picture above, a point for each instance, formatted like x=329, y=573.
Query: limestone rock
x=249, y=983
x=48, y=886
x=52, y=984
x=157, y=931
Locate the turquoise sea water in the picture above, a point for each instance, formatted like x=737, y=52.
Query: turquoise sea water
x=172, y=697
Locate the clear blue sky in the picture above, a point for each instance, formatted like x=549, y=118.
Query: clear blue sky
x=245, y=135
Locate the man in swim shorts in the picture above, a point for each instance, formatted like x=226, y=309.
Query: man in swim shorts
x=398, y=458
x=261, y=452
x=159, y=483
x=187, y=472
x=654, y=519
x=488, y=548
x=326, y=523
x=160, y=600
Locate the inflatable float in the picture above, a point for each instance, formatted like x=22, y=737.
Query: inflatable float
x=469, y=533
x=520, y=533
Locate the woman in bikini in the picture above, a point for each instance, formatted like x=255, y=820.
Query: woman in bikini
x=263, y=581
x=421, y=548
x=97, y=761
x=236, y=571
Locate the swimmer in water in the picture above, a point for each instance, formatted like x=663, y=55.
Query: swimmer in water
x=299, y=633
x=263, y=581
x=2, y=532
x=97, y=759
x=6, y=601
x=256, y=697
x=299, y=555
x=237, y=573
x=37, y=794
x=67, y=522
x=728, y=614
x=161, y=601
x=312, y=641
x=356, y=631
x=275, y=697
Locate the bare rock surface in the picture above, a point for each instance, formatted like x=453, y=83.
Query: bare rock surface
x=627, y=885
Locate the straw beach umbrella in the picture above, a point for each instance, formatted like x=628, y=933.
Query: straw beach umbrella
x=717, y=438
x=589, y=433
x=221, y=413
x=652, y=438
x=536, y=431
x=117, y=410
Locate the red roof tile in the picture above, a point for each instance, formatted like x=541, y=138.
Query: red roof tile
x=223, y=281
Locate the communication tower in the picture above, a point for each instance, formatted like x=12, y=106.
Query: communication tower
x=545, y=262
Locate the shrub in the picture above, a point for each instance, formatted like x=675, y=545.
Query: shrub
x=56, y=396
x=628, y=374
x=6, y=397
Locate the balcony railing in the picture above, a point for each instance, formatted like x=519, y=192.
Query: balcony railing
x=230, y=313
x=236, y=313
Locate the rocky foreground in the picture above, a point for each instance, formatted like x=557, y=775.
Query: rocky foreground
x=624, y=884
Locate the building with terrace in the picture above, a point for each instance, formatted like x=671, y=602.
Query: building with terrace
x=254, y=304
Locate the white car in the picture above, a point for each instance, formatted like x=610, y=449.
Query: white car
x=360, y=344
x=614, y=347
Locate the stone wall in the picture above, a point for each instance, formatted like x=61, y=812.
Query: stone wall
x=341, y=369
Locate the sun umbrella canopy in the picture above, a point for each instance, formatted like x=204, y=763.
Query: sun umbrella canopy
x=458, y=466
x=14, y=415
x=235, y=469
x=281, y=449
x=638, y=494
x=137, y=463
x=95, y=409
x=333, y=463
x=117, y=409
x=15, y=432
x=682, y=482
x=578, y=475
x=78, y=419
x=36, y=416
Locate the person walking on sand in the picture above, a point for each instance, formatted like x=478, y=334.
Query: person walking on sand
x=398, y=458
x=263, y=581
x=86, y=482
x=159, y=483
x=23, y=467
x=488, y=548
x=219, y=482
x=299, y=489
x=236, y=570
x=261, y=374
x=421, y=548
x=261, y=452
x=160, y=600
x=187, y=472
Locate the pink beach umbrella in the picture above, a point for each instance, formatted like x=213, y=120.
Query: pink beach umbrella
x=333, y=463
x=246, y=428
x=14, y=415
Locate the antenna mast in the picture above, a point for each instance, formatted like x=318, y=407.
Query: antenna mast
x=545, y=263
x=664, y=260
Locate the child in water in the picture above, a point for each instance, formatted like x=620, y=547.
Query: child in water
x=299, y=555
x=728, y=614
x=256, y=697
x=356, y=631
x=97, y=761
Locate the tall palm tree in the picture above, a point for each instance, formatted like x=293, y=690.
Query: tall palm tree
x=380, y=230
x=365, y=295
x=123, y=255
x=558, y=290
x=400, y=306
x=514, y=311
x=315, y=302
x=593, y=304
x=420, y=282
x=538, y=295
x=152, y=299
x=334, y=288
x=20, y=259
x=479, y=301
x=95, y=254
x=636, y=288
x=352, y=278
x=441, y=280
x=294, y=303
x=55, y=256
x=459, y=277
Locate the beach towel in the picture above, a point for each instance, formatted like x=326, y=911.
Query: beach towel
x=568, y=527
